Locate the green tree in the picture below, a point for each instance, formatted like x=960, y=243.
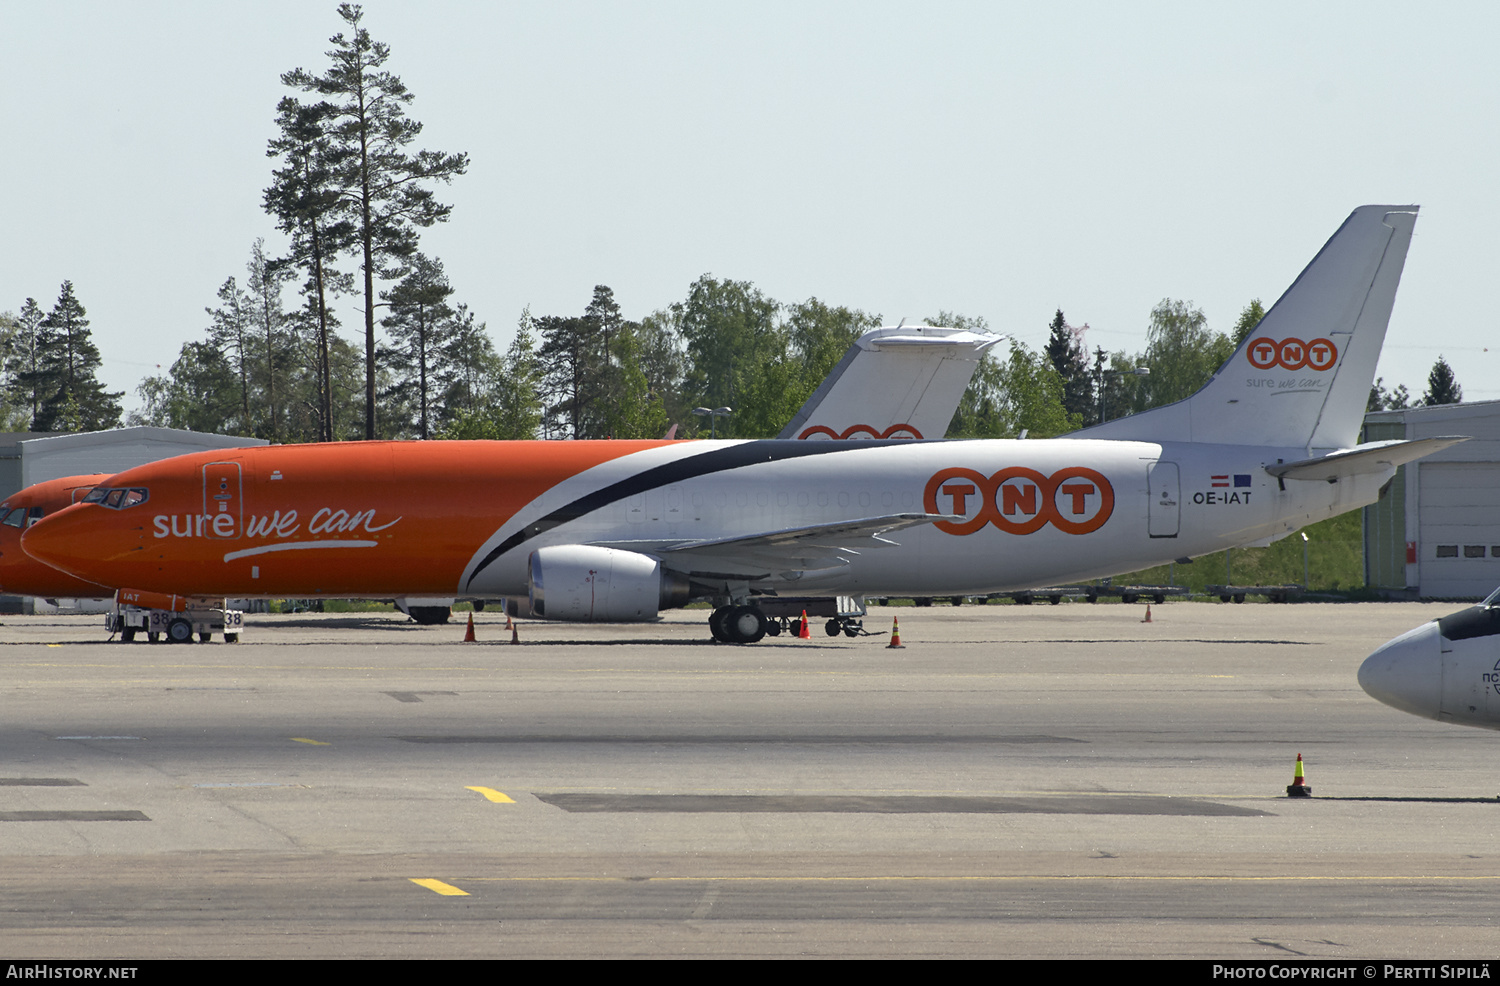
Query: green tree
x=735, y=350
x=199, y=393
x=73, y=398
x=23, y=360
x=419, y=325
x=1442, y=386
x=1066, y=353
x=505, y=402
x=1248, y=320
x=384, y=187
x=230, y=331
x=304, y=196
x=1380, y=400
x=1182, y=353
x=273, y=362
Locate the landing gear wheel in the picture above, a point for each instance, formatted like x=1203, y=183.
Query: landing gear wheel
x=205, y=637
x=152, y=636
x=745, y=625
x=231, y=638
x=716, y=624
x=773, y=628
x=179, y=631
x=832, y=628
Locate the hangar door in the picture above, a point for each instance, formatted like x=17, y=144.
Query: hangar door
x=1458, y=529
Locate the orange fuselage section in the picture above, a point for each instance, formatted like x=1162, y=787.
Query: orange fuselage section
x=351, y=519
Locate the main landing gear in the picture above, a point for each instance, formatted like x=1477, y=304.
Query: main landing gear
x=737, y=624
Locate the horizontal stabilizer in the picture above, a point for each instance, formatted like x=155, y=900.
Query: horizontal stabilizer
x=1362, y=460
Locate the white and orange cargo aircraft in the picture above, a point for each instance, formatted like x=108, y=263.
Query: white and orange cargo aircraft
x=618, y=530
x=896, y=382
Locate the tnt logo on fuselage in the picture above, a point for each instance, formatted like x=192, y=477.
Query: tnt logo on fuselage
x=1018, y=500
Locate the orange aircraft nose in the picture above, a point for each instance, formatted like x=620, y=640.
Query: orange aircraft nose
x=80, y=540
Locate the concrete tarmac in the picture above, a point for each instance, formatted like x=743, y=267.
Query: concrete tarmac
x=1045, y=781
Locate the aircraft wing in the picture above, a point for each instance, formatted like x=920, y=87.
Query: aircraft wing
x=792, y=549
x=1362, y=459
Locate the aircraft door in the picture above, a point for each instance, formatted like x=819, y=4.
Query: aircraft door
x=1164, y=515
x=223, y=500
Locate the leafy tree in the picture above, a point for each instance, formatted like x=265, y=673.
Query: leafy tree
x=1023, y=393
x=382, y=186
x=1182, y=352
x=1248, y=320
x=73, y=399
x=1442, y=386
x=1380, y=400
x=199, y=392
x=1068, y=357
x=510, y=407
x=735, y=350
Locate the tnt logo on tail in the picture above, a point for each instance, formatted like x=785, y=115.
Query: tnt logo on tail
x=1292, y=354
x=1018, y=500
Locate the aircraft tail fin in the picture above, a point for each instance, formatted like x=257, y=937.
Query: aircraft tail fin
x=1302, y=377
x=902, y=382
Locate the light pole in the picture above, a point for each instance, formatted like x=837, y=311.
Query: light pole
x=713, y=418
x=1104, y=375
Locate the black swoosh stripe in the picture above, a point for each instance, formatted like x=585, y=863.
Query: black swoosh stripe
x=719, y=460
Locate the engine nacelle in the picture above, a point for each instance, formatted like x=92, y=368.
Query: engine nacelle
x=591, y=584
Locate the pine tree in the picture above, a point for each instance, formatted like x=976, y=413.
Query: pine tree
x=1067, y=356
x=420, y=325
x=305, y=199
x=23, y=360
x=1442, y=386
x=383, y=187
x=73, y=399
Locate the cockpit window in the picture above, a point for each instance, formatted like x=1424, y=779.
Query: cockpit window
x=15, y=518
x=1492, y=601
x=35, y=515
x=118, y=499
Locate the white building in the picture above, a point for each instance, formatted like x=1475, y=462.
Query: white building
x=1435, y=534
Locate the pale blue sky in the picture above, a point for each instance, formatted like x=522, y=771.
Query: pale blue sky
x=993, y=159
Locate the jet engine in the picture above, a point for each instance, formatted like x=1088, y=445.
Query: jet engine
x=587, y=584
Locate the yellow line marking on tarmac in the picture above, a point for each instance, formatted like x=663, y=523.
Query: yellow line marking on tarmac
x=439, y=887
x=499, y=797
x=309, y=742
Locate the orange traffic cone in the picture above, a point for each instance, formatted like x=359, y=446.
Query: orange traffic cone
x=895, y=643
x=508, y=624
x=1298, y=788
x=1148, y=614
x=469, y=633
x=802, y=631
